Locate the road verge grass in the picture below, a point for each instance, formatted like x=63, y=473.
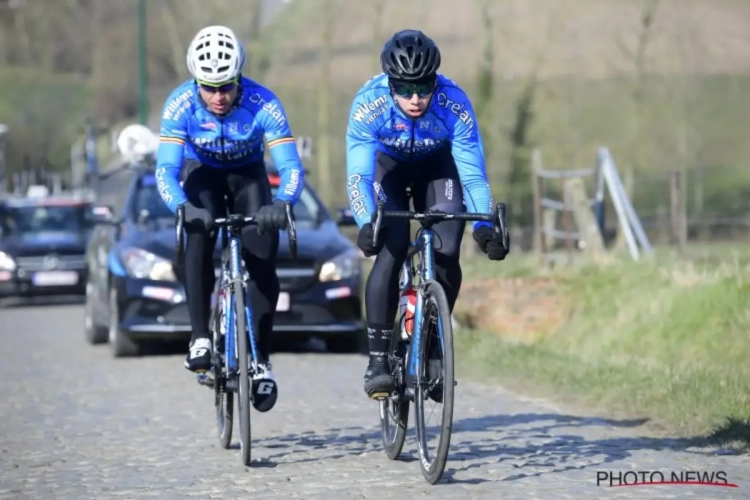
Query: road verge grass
x=665, y=340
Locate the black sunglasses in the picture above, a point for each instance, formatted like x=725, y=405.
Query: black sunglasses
x=223, y=88
x=407, y=90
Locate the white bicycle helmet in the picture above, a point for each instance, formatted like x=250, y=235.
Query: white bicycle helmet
x=215, y=55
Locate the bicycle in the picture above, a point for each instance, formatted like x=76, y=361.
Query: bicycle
x=234, y=360
x=421, y=370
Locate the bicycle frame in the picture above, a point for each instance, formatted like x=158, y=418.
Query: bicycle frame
x=232, y=282
x=231, y=277
x=423, y=246
x=426, y=273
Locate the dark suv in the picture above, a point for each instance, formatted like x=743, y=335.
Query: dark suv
x=43, y=245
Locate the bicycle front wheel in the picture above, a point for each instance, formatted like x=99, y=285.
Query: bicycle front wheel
x=394, y=410
x=243, y=396
x=435, y=383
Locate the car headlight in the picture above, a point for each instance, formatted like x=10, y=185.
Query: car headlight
x=343, y=266
x=142, y=264
x=6, y=262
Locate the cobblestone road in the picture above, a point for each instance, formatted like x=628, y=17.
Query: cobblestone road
x=78, y=424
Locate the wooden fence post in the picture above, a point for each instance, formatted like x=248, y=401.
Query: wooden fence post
x=678, y=215
x=538, y=239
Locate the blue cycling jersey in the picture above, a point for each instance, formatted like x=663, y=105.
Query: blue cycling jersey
x=190, y=131
x=377, y=124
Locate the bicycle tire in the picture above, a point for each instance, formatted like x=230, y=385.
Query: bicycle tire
x=224, y=415
x=433, y=467
x=394, y=446
x=223, y=399
x=243, y=395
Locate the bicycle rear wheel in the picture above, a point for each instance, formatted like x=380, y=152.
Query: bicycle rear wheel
x=243, y=396
x=394, y=410
x=435, y=380
x=223, y=399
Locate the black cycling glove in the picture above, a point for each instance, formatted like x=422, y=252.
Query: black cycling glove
x=271, y=217
x=198, y=218
x=365, y=239
x=491, y=242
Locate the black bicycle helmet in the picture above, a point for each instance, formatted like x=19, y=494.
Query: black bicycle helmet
x=410, y=56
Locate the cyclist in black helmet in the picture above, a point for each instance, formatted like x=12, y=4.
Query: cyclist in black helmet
x=412, y=127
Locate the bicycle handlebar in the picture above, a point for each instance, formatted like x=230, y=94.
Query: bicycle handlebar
x=234, y=221
x=497, y=218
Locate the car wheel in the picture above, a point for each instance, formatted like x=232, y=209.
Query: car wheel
x=355, y=343
x=95, y=333
x=122, y=346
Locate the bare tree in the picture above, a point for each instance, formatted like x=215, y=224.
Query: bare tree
x=19, y=10
x=486, y=77
x=324, y=104
x=171, y=27
x=377, y=29
x=687, y=90
x=521, y=142
x=258, y=62
x=638, y=58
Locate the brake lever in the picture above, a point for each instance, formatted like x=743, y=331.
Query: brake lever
x=377, y=220
x=502, y=226
x=291, y=229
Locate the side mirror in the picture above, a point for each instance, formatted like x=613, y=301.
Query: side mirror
x=344, y=217
x=143, y=216
x=102, y=214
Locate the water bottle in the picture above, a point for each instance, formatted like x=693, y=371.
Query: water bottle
x=407, y=301
x=406, y=306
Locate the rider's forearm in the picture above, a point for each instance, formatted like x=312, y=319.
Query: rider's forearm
x=291, y=173
x=168, y=166
x=477, y=189
x=360, y=174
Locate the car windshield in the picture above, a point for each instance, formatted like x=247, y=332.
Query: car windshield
x=147, y=198
x=34, y=219
x=306, y=211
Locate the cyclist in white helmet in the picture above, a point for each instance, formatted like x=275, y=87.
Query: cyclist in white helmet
x=211, y=139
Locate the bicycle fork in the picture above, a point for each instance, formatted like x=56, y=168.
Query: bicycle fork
x=231, y=283
x=426, y=274
x=237, y=280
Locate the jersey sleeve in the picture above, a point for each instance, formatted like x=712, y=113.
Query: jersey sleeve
x=172, y=137
x=468, y=153
x=283, y=149
x=361, y=151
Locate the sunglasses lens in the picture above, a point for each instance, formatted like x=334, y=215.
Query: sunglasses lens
x=408, y=90
x=224, y=88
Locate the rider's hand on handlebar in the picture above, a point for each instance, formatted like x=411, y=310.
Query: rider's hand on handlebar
x=271, y=217
x=366, y=237
x=491, y=243
x=198, y=218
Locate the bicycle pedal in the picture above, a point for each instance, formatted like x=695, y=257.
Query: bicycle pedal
x=205, y=378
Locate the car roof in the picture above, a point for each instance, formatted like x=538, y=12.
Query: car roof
x=48, y=201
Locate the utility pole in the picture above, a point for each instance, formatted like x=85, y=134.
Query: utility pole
x=142, y=65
